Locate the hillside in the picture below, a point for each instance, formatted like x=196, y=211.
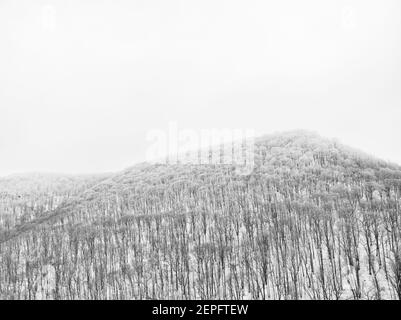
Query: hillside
x=314, y=220
x=25, y=197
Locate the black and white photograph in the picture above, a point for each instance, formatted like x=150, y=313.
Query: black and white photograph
x=219, y=151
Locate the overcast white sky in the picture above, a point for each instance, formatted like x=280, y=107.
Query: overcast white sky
x=82, y=82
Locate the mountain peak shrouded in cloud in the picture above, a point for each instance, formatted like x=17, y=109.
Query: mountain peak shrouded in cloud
x=200, y=150
x=306, y=210
x=74, y=74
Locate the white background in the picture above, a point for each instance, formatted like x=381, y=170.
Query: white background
x=82, y=82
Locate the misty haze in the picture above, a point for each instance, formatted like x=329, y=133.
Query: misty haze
x=200, y=150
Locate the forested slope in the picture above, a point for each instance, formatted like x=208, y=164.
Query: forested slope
x=314, y=220
x=26, y=197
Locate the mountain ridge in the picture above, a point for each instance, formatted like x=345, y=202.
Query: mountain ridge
x=321, y=207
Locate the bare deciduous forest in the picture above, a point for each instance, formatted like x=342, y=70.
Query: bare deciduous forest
x=315, y=220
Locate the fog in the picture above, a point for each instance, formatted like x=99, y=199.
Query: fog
x=83, y=82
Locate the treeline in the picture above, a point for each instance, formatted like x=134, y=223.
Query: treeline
x=24, y=198
x=313, y=221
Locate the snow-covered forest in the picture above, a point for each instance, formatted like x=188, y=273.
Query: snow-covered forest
x=315, y=220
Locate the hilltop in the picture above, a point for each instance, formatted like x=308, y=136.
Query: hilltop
x=313, y=219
